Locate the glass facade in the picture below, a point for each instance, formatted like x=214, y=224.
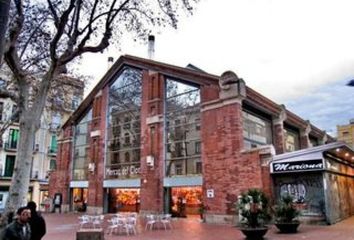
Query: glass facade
x=256, y=130
x=82, y=147
x=123, y=126
x=182, y=141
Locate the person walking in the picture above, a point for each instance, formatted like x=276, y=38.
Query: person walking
x=19, y=229
x=36, y=222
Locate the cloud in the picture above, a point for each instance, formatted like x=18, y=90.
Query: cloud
x=326, y=106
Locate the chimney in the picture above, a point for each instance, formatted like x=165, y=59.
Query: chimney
x=110, y=62
x=151, y=47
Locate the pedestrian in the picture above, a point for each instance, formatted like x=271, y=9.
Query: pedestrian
x=36, y=222
x=19, y=229
x=57, y=203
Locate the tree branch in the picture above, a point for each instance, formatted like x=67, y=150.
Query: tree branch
x=60, y=30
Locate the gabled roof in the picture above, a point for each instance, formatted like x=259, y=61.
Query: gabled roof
x=191, y=75
x=199, y=77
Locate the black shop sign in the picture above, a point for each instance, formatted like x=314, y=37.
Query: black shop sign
x=298, y=166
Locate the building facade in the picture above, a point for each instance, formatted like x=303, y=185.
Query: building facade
x=58, y=109
x=345, y=133
x=153, y=137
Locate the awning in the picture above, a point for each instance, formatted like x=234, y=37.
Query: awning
x=311, y=159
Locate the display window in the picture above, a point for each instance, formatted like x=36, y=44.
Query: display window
x=80, y=199
x=186, y=201
x=124, y=200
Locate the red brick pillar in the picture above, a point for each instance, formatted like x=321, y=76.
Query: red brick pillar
x=59, y=179
x=304, y=137
x=278, y=132
x=151, y=191
x=96, y=153
x=222, y=143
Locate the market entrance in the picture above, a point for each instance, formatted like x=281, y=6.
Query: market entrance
x=79, y=199
x=185, y=201
x=123, y=200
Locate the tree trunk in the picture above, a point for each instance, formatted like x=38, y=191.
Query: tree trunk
x=4, y=16
x=22, y=171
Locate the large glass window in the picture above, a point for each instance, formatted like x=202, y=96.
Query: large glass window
x=256, y=130
x=182, y=129
x=292, y=140
x=123, y=125
x=82, y=147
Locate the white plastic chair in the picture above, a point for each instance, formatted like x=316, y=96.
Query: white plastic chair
x=129, y=225
x=150, y=221
x=166, y=220
x=97, y=221
x=113, y=225
x=84, y=220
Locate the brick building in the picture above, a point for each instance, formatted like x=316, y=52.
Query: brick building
x=152, y=137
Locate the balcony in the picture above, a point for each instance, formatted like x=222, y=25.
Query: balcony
x=52, y=151
x=10, y=146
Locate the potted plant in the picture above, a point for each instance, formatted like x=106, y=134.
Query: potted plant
x=285, y=215
x=253, y=211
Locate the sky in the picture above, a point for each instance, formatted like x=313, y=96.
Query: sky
x=298, y=53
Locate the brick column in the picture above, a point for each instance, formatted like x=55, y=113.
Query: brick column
x=59, y=179
x=222, y=143
x=151, y=191
x=304, y=137
x=278, y=132
x=96, y=153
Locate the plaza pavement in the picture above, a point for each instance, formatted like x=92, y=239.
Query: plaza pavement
x=64, y=227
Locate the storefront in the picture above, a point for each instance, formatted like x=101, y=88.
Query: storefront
x=123, y=200
x=320, y=180
x=185, y=201
x=79, y=202
x=153, y=138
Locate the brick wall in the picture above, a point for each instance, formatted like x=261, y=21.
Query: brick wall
x=151, y=190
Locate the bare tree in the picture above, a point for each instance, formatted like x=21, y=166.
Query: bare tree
x=45, y=36
x=4, y=16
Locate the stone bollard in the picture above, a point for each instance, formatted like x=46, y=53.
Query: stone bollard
x=90, y=234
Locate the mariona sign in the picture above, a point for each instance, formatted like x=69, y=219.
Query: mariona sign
x=297, y=166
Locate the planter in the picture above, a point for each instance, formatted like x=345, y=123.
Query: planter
x=288, y=227
x=254, y=233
